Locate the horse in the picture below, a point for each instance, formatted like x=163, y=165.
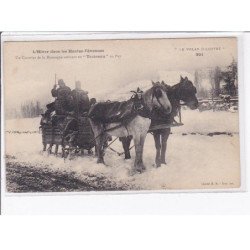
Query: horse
x=136, y=123
x=182, y=91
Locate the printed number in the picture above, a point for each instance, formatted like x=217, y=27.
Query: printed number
x=199, y=54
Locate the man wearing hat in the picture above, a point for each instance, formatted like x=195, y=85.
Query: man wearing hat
x=63, y=102
x=80, y=100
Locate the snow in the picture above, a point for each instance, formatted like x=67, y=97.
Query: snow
x=23, y=125
x=194, y=161
x=208, y=121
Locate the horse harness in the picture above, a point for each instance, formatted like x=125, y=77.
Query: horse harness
x=139, y=108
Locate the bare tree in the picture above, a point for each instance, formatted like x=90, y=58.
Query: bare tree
x=217, y=81
x=29, y=109
x=230, y=76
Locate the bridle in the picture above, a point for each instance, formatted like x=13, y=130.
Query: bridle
x=156, y=95
x=144, y=110
x=179, y=93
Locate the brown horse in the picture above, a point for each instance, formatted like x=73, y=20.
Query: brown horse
x=136, y=126
x=183, y=91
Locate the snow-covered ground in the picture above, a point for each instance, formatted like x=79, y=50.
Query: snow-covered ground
x=197, y=157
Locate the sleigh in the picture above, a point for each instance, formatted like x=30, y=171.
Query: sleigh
x=53, y=135
x=85, y=136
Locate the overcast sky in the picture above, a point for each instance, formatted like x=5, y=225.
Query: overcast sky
x=132, y=61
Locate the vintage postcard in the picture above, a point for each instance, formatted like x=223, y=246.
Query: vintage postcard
x=110, y=114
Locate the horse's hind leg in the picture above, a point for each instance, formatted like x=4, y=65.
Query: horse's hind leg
x=158, y=148
x=96, y=154
x=71, y=152
x=56, y=149
x=164, y=138
x=126, y=144
x=128, y=141
x=44, y=146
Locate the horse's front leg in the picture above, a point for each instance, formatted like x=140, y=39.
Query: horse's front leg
x=128, y=141
x=157, y=136
x=56, y=149
x=100, y=148
x=164, y=138
x=139, y=144
x=63, y=151
x=99, y=140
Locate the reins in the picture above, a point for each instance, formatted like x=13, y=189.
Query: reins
x=119, y=153
x=107, y=130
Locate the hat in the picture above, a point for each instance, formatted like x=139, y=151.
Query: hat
x=61, y=82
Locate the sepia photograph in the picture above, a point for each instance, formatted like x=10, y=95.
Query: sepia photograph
x=151, y=114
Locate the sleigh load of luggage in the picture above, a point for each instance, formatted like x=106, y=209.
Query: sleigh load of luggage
x=77, y=124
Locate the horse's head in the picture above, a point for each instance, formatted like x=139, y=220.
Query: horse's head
x=187, y=93
x=159, y=98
